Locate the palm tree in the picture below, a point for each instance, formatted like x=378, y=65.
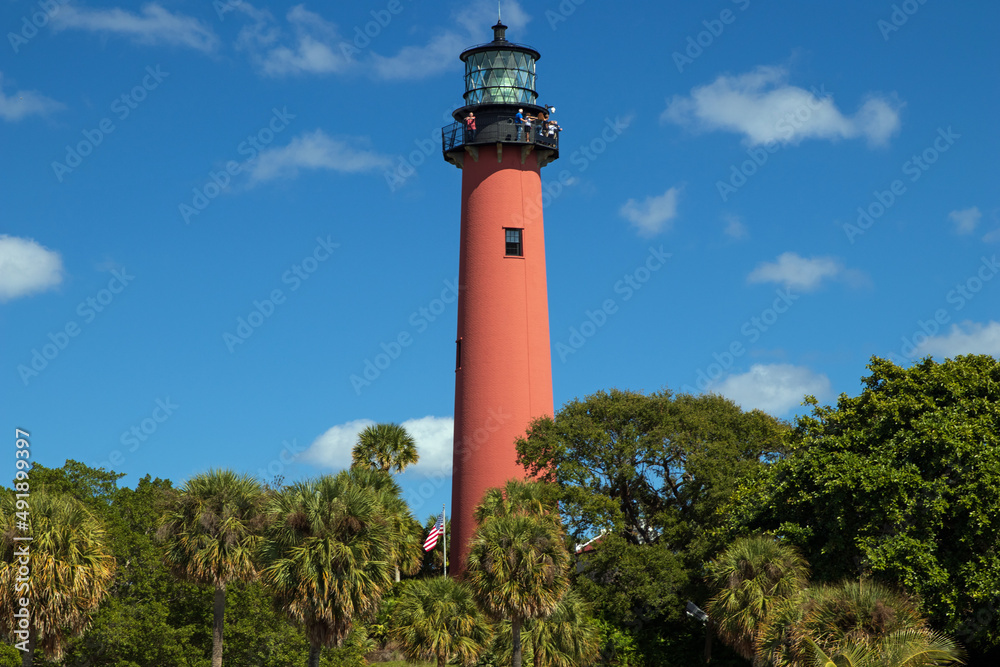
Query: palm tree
x=846, y=656
x=71, y=570
x=406, y=542
x=919, y=648
x=327, y=555
x=856, y=623
x=903, y=648
x=386, y=447
x=750, y=578
x=437, y=619
x=857, y=610
x=519, y=496
x=211, y=531
x=566, y=638
x=777, y=642
x=518, y=569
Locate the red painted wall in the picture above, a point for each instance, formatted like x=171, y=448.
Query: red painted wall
x=505, y=379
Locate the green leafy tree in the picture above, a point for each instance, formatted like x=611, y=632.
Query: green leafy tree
x=437, y=619
x=144, y=600
x=71, y=570
x=902, y=483
x=328, y=556
x=385, y=447
x=211, y=531
x=518, y=570
x=651, y=468
x=646, y=475
x=9, y=656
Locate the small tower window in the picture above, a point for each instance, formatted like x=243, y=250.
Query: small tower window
x=514, y=246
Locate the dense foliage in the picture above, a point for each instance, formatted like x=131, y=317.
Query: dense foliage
x=892, y=496
x=765, y=607
x=900, y=483
x=518, y=566
x=150, y=618
x=645, y=476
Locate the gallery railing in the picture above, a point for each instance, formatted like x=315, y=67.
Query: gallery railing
x=494, y=129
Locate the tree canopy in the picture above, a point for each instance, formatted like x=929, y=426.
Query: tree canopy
x=150, y=618
x=901, y=482
x=71, y=569
x=385, y=447
x=644, y=477
x=765, y=607
x=650, y=468
x=211, y=530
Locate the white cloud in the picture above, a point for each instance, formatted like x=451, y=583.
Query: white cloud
x=762, y=107
x=314, y=150
x=153, y=25
x=25, y=103
x=735, y=229
x=966, y=338
x=27, y=267
x=417, y=62
x=315, y=47
x=773, y=388
x=805, y=274
x=653, y=213
x=441, y=50
x=333, y=448
x=992, y=237
x=433, y=436
x=966, y=220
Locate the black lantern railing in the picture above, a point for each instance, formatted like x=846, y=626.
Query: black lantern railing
x=497, y=129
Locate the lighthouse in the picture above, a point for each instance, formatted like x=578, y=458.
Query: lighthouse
x=501, y=140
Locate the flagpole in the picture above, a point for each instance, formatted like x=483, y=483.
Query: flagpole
x=444, y=541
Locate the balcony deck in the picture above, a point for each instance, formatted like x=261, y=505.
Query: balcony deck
x=498, y=129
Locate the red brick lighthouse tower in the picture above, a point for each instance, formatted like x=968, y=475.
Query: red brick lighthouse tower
x=503, y=375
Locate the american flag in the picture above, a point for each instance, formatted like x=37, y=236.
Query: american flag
x=432, y=537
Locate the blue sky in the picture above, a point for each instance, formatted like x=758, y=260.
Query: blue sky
x=216, y=216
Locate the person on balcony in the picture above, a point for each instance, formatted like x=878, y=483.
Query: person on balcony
x=519, y=121
x=543, y=123
x=470, y=127
x=528, y=119
x=553, y=128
